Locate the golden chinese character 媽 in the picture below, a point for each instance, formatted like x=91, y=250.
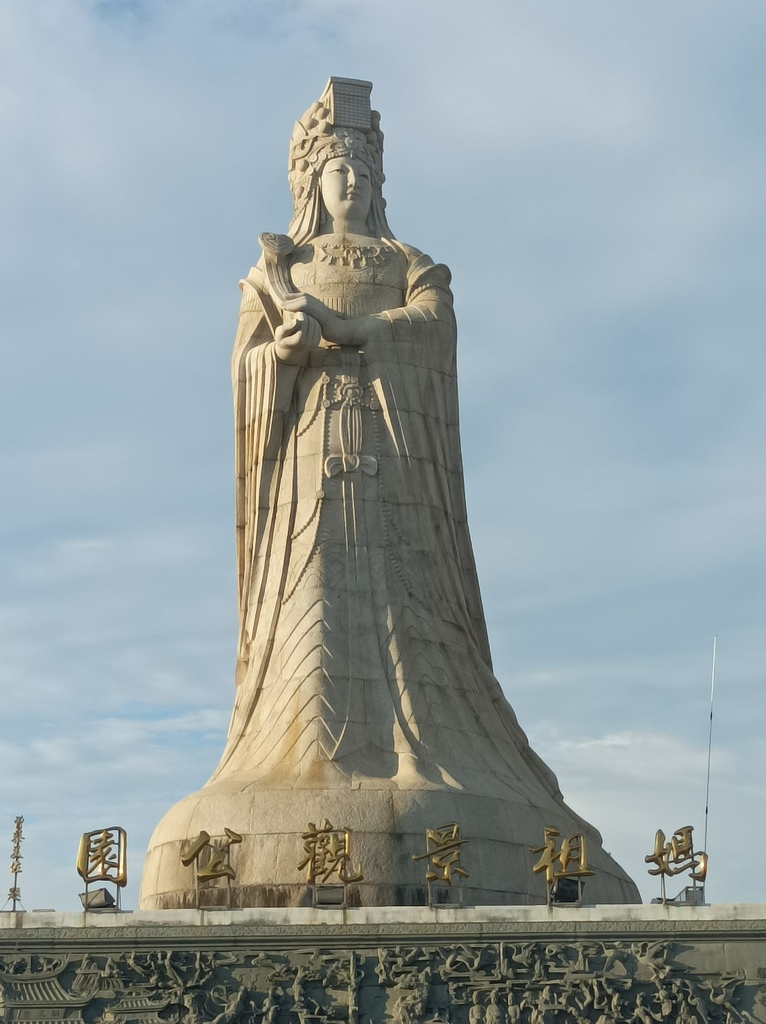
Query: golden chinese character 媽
x=677, y=854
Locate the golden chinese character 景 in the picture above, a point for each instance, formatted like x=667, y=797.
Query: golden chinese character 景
x=217, y=863
x=677, y=854
x=569, y=861
x=327, y=854
x=102, y=856
x=443, y=853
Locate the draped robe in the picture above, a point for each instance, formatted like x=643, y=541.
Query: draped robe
x=363, y=657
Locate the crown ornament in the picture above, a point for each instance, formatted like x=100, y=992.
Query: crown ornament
x=340, y=123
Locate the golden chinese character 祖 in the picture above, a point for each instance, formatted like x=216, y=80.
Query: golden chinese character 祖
x=569, y=861
x=217, y=863
x=677, y=854
x=443, y=853
x=327, y=854
x=102, y=856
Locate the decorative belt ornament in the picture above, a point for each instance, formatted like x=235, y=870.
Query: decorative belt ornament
x=350, y=393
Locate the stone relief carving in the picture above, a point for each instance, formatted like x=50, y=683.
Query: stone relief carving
x=586, y=982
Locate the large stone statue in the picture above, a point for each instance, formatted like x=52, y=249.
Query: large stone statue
x=364, y=687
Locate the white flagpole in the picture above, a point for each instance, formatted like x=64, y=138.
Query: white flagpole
x=709, y=745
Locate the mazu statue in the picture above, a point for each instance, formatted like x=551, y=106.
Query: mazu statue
x=364, y=687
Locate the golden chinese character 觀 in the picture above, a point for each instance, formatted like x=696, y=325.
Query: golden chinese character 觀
x=327, y=853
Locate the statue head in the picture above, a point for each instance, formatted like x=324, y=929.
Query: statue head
x=338, y=127
x=346, y=188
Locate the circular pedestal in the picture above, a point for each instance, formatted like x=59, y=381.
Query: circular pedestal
x=388, y=831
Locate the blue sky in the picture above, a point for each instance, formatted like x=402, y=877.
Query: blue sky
x=592, y=171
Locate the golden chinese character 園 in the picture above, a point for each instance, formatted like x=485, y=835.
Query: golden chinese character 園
x=443, y=853
x=102, y=856
x=327, y=853
x=216, y=865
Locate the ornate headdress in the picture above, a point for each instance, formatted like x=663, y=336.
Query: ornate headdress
x=341, y=123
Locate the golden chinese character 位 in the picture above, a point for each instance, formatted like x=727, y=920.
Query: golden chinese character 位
x=217, y=864
x=327, y=851
x=443, y=853
x=102, y=856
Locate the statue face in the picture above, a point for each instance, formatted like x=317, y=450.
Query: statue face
x=346, y=186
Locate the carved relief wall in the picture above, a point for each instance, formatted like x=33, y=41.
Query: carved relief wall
x=195, y=976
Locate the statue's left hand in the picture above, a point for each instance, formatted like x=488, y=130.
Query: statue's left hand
x=295, y=337
x=301, y=302
x=334, y=329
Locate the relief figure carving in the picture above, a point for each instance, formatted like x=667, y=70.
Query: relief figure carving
x=538, y=983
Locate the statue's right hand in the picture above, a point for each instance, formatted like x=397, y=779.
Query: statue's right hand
x=295, y=337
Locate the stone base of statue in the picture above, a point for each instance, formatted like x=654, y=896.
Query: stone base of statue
x=387, y=831
x=688, y=965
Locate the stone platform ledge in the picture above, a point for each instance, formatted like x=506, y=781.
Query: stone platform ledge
x=410, y=922
x=387, y=965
